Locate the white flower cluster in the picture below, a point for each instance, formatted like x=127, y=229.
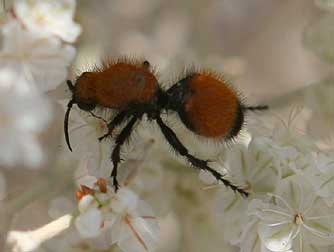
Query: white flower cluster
x=128, y=221
x=34, y=57
x=289, y=179
x=291, y=185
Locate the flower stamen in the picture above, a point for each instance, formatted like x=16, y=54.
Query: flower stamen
x=127, y=220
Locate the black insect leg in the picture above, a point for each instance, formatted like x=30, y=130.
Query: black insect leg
x=115, y=156
x=119, y=118
x=96, y=116
x=198, y=163
x=253, y=108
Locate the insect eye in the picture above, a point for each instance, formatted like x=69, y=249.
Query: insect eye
x=85, y=76
x=86, y=106
x=146, y=64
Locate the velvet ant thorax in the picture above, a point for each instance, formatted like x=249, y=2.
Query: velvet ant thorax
x=116, y=84
x=208, y=105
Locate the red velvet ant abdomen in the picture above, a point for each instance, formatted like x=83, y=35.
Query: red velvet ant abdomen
x=211, y=107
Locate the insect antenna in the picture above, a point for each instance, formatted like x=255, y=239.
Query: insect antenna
x=67, y=114
x=70, y=85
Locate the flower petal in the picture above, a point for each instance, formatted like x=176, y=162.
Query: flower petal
x=89, y=223
x=278, y=238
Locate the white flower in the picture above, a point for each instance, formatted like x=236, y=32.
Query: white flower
x=89, y=223
x=324, y=161
x=253, y=167
x=23, y=116
x=249, y=240
x=132, y=225
x=291, y=150
x=125, y=201
x=294, y=218
x=87, y=202
x=289, y=158
x=90, y=220
x=43, y=61
x=321, y=175
x=48, y=17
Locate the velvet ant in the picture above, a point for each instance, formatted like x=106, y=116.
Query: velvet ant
x=206, y=104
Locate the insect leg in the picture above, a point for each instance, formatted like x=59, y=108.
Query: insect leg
x=259, y=107
x=96, y=116
x=197, y=163
x=119, y=118
x=120, y=140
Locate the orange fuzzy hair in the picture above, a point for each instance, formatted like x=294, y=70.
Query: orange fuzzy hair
x=117, y=83
x=212, y=107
